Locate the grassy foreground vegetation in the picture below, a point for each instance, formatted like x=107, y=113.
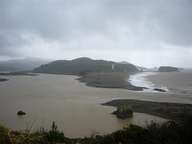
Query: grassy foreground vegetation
x=170, y=132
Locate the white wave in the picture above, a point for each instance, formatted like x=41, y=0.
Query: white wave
x=140, y=80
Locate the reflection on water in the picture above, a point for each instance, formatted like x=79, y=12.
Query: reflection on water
x=140, y=80
x=75, y=107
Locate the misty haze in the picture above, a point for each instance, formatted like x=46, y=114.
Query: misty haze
x=95, y=72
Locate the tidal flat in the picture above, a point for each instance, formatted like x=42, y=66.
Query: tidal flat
x=75, y=107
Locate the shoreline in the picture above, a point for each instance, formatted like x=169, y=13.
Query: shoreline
x=116, y=93
x=3, y=79
x=18, y=74
x=141, y=80
x=109, y=80
x=170, y=111
x=118, y=80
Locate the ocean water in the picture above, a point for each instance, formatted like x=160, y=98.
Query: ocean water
x=179, y=83
x=141, y=80
x=75, y=108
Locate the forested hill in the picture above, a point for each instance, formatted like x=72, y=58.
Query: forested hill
x=84, y=65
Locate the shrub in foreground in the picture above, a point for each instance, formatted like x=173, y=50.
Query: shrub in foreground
x=171, y=132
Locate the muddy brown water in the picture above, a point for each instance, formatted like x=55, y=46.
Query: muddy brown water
x=75, y=108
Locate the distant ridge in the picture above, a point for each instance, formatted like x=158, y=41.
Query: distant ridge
x=84, y=65
x=168, y=69
x=25, y=64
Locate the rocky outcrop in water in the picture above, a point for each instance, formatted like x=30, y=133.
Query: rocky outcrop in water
x=21, y=113
x=159, y=90
x=123, y=112
x=168, y=69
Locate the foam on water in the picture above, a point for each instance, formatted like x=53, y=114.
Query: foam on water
x=140, y=80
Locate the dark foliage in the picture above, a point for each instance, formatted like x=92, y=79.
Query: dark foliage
x=83, y=66
x=171, y=132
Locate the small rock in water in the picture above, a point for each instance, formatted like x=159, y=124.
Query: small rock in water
x=159, y=90
x=21, y=113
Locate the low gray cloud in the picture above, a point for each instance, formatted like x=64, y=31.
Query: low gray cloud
x=138, y=31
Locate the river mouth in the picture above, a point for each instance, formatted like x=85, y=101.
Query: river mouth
x=75, y=107
x=141, y=80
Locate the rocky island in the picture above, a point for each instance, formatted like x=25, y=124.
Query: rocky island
x=168, y=69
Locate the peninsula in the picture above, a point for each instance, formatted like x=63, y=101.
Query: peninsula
x=96, y=73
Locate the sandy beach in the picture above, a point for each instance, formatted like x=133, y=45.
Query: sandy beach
x=109, y=80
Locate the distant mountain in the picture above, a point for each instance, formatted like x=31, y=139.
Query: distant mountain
x=123, y=62
x=26, y=64
x=84, y=65
x=167, y=69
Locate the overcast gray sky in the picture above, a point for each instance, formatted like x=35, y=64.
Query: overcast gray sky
x=143, y=32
